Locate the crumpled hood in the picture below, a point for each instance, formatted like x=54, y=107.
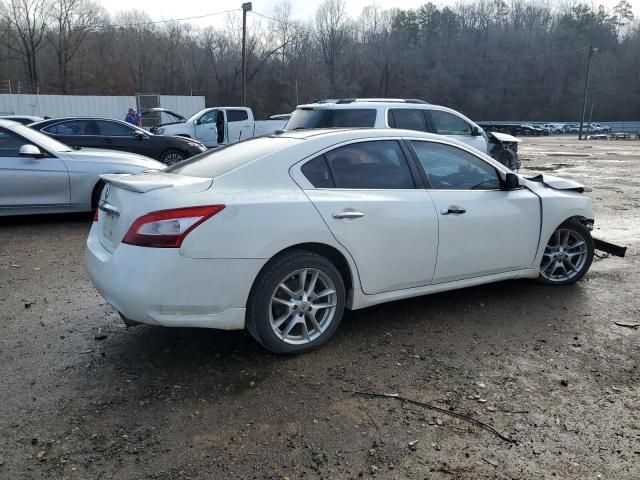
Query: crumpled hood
x=115, y=156
x=557, y=183
x=504, y=137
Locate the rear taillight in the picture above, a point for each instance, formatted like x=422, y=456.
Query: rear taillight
x=168, y=228
x=95, y=215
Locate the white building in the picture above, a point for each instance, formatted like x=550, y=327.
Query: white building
x=93, y=105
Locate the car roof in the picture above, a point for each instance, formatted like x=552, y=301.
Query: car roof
x=8, y=123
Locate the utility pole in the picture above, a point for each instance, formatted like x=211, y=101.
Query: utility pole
x=592, y=52
x=246, y=7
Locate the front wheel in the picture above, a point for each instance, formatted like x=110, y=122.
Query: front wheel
x=568, y=254
x=296, y=303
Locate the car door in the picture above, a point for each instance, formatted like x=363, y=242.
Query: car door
x=483, y=230
x=453, y=126
x=238, y=125
x=207, y=130
x=120, y=136
x=367, y=195
x=29, y=181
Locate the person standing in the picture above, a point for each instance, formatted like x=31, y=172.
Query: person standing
x=133, y=118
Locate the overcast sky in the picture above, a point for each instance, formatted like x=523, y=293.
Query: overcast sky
x=303, y=10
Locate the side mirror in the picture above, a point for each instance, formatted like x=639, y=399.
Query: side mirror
x=511, y=181
x=30, y=151
x=139, y=135
x=475, y=131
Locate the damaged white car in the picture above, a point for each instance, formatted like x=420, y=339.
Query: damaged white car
x=280, y=234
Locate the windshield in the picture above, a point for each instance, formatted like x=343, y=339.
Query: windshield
x=40, y=139
x=330, y=118
x=222, y=160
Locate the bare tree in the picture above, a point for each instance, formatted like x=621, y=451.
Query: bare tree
x=331, y=34
x=28, y=21
x=73, y=21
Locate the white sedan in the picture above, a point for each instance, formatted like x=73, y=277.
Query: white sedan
x=280, y=234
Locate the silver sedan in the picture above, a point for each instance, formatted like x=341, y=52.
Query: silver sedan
x=41, y=175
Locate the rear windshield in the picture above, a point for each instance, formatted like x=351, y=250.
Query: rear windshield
x=332, y=118
x=221, y=160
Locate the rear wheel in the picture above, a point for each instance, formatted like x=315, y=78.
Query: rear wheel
x=568, y=254
x=296, y=303
x=172, y=156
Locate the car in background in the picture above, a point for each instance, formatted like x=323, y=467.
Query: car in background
x=218, y=126
x=279, y=234
x=23, y=119
x=599, y=128
x=532, y=130
x=570, y=128
x=41, y=175
x=411, y=114
x=554, y=128
x=87, y=132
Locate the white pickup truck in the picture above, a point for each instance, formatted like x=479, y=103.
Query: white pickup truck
x=216, y=126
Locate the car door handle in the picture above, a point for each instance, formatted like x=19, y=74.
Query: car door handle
x=453, y=209
x=348, y=214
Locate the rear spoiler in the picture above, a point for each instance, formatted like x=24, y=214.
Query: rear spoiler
x=153, y=181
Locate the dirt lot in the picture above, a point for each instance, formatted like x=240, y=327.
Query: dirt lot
x=545, y=366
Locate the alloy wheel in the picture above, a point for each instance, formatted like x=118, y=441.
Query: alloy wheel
x=564, y=256
x=302, y=306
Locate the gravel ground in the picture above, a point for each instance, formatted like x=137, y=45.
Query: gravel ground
x=545, y=366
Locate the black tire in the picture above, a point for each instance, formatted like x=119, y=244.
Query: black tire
x=172, y=156
x=572, y=225
x=95, y=195
x=259, y=305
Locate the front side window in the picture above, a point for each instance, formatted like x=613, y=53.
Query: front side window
x=370, y=165
x=451, y=168
x=237, y=115
x=449, y=124
x=10, y=143
x=209, y=117
x=407, y=118
x=114, y=129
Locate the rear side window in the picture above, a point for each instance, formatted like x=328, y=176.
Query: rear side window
x=370, y=165
x=237, y=115
x=449, y=124
x=332, y=118
x=357, y=117
x=407, y=118
x=317, y=172
x=73, y=127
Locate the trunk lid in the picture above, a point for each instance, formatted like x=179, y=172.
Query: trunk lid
x=127, y=197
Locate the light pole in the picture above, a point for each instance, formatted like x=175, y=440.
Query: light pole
x=246, y=7
x=592, y=52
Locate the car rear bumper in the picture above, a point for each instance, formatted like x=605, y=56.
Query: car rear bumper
x=161, y=287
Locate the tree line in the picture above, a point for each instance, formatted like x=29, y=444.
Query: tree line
x=491, y=59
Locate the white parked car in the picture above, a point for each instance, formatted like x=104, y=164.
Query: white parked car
x=41, y=175
x=280, y=234
x=218, y=126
